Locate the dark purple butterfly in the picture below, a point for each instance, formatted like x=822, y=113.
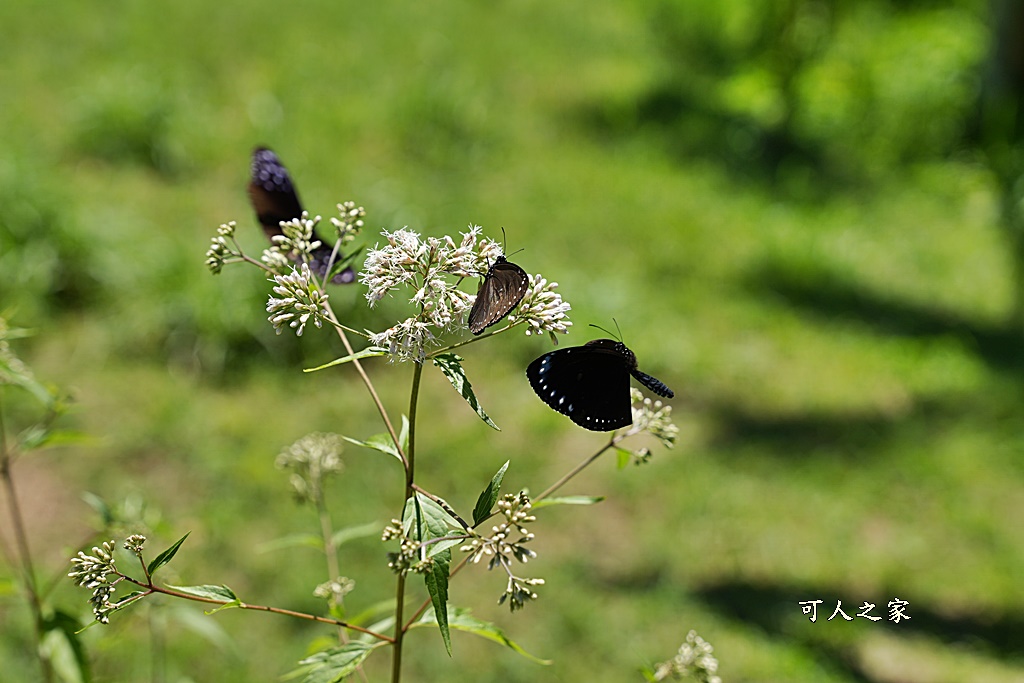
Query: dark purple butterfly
x=590, y=383
x=274, y=197
x=504, y=286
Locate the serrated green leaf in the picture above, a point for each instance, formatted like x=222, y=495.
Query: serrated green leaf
x=211, y=592
x=434, y=521
x=368, y=352
x=425, y=520
x=351, y=533
x=461, y=620
x=165, y=557
x=567, y=500
x=489, y=496
x=437, y=585
x=333, y=665
x=377, y=442
x=451, y=365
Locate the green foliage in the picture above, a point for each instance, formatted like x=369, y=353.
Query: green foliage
x=451, y=365
x=489, y=496
x=851, y=394
x=166, y=556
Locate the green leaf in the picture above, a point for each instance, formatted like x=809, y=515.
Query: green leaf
x=187, y=617
x=292, y=541
x=461, y=620
x=437, y=585
x=165, y=557
x=378, y=442
x=489, y=496
x=210, y=592
x=343, y=263
x=368, y=352
x=567, y=500
x=624, y=456
x=433, y=521
x=61, y=646
x=430, y=521
x=101, y=508
x=451, y=365
x=351, y=533
x=403, y=435
x=17, y=374
x=40, y=437
x=333, y=665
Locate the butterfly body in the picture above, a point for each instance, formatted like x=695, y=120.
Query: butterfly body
x=590, y=383
x=276, y=200
x=504, y=286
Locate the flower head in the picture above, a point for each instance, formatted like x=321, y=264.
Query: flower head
x=694, y=661
x=311, y=459
x=300, y=302
x=95, y=572
x=431, y=268
x=542, y=309
x=502, y=544
x=654, y=418
x=220, y=252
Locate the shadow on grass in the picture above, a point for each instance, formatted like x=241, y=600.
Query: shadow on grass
x=832, y=297
x=775, y=608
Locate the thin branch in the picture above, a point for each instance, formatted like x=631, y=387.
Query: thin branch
x=576, y=470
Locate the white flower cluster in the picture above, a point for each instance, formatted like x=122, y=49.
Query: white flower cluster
x=432, y=268
x=652, y=417
x=296, y=243
x=543, y=309
x=311, y=459
x=220, y=252
x=694, y=661
x=94, y=572
x=300, y=302
x=350, y=223
x=501, y=545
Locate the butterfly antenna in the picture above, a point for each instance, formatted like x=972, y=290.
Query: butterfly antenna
x=609, y=332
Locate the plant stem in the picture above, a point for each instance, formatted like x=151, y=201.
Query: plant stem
x=410, y=491
x=153, y=588
x=576, y=470
x=369, y=385
x=24, y=553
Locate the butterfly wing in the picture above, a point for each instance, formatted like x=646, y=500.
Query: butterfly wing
x=271, y=191
x=503, y=288
x=275, y=200
x=589, y=384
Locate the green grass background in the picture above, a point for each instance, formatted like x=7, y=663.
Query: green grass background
x=849, y=406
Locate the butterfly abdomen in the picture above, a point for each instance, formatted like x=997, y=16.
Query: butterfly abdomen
x=653, y=383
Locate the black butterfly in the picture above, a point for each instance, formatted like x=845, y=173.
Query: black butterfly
x=274, y=197
x=590, y=383
x=504, y=286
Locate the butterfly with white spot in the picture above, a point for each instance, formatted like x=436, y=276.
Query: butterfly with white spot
x=590, y=383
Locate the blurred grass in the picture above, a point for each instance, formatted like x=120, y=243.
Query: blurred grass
x=848, y=399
